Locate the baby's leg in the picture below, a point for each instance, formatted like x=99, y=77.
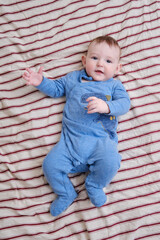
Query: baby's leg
x=104, y=164
x=56, y=166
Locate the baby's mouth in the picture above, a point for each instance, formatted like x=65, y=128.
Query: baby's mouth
x=99, y=72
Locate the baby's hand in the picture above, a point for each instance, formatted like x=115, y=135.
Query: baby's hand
x=97, y=105
x=33, y=78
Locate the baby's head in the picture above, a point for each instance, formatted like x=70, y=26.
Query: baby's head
x=102, y=59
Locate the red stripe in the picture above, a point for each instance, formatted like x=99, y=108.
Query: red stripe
x=11, y=4
x=138, y=116
x=73, y=36
x=90, y=231
x=121, y=211
x=135, y=177
x=141, y=69
x=53, y=19
x=139, y=136
x=59, y=132
x=26, y=104
x=141, y=155
x=150, y=166
x=27, y=94
x=142, y=59
x=32, y=119
x=25, y=188
x=55, y=133
x=51, y=69
x=17, y=97
x=119, y=131
x=144, y=86
x=83, y=231
x=92, y=13
x=20, y=170
x=144, y=49
x=57, y=66
x=149, y=235
x=135, y=127
x=39, y=156
x=50, y=191
x=32, y=129
x=83, y=7
x=91, y=208
x=50, y=45
x=32, y=138
x=139, y=166
x=17, y=3
x=133, y=187
x=27, y=149
x=62, y=15
x=131, y=231
x=146, y=95
x=32, y=110
x=28, y=207
x=139, y=146
x=127, y=220
x=31, y=197
x=36, y=7
x=16, y=106
x=113, y=182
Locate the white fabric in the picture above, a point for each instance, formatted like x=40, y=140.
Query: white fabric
x=55, y=34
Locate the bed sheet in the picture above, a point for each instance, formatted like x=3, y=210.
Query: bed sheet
x=55, y=34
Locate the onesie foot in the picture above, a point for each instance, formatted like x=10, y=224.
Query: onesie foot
x=97, y=196
x=61, y=204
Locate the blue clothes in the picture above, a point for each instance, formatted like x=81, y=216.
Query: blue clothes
x=88, y=141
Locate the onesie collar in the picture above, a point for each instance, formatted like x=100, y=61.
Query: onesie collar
x=85, y=76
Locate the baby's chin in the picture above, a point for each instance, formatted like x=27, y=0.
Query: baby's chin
x=99, y=76
x=99, y=79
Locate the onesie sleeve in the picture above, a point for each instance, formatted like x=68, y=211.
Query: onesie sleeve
x=53, y=88
x=120, y=103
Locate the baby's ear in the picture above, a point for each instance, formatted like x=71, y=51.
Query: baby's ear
x=84, y=60
x=119, y=68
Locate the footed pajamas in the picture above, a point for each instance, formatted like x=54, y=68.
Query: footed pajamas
x=88, y=142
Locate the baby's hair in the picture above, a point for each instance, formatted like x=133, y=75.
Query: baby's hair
x=109, y=40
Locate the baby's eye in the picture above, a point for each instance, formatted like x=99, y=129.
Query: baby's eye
x=94, y=58
x=108, y=61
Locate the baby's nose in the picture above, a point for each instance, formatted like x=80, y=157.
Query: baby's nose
x=100, y=62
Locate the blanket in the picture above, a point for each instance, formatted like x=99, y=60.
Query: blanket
x=55, y=34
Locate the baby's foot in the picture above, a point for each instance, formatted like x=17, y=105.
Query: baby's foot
x=61, y=204
x=97, y=196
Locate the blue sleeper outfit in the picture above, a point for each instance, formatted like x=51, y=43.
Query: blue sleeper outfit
x=88, y=142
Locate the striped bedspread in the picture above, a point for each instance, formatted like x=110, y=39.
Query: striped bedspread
x=55, y=34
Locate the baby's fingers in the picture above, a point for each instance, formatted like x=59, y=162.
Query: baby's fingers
x=29, y=70
x=91, y=99
x=91, y=107
x=25, y=76
x=40, y=71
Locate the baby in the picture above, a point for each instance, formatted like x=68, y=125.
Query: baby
x=88, y=140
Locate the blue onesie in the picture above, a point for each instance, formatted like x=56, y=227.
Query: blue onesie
x=88, y=142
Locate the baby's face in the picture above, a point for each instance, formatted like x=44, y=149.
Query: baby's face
x=102, y=61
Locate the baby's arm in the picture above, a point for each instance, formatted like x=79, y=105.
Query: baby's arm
x=97, y=105
x=33, y=78
x=120, y=103
x=53, y=88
